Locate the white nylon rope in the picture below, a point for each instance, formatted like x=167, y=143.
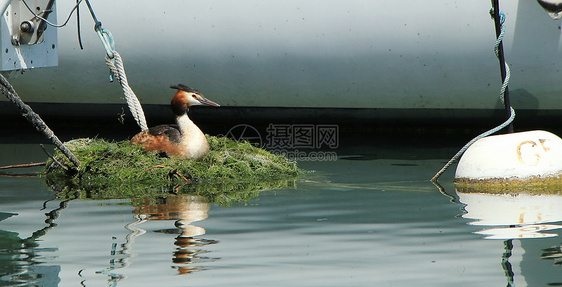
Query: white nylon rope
x=115, y=64
x=117, y=68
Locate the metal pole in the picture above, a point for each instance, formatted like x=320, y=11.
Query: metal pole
x=497, y=21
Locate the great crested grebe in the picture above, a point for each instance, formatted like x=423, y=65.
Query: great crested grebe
x=184, y=140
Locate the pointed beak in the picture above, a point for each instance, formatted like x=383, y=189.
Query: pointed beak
x=205, y=101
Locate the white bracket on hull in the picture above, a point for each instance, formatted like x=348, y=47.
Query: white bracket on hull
x=26, y=41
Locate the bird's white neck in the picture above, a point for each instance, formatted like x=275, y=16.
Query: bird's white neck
x=193, y=139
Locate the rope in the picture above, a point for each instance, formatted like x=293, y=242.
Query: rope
x=7, y=89
x=466, y=146
x=497, y=52
x=118, y=70
x=502, y=98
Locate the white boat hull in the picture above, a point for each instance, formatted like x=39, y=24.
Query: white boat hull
x=349, y=54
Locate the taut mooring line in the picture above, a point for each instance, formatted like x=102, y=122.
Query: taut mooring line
x=7, y=89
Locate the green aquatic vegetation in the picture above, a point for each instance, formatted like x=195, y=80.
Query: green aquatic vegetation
x=231, y=171
x=531, y=185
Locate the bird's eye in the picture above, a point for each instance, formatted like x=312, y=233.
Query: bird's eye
x=194, y=96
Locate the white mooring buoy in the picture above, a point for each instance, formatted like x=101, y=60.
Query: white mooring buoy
x=516, y=157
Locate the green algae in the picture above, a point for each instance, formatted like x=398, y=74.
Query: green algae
x=531, y=185
x=232, y=171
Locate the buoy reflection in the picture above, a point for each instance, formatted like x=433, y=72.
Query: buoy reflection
x=513, y=216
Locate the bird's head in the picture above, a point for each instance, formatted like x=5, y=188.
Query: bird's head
x=186, y=97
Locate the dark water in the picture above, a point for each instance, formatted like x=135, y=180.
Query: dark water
x=371, y=218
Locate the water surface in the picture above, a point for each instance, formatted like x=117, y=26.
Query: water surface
x=371, y=218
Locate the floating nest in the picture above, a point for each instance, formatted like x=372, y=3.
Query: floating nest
x=231, y=171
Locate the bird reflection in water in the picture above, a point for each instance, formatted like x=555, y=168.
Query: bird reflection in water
x=184, y=209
